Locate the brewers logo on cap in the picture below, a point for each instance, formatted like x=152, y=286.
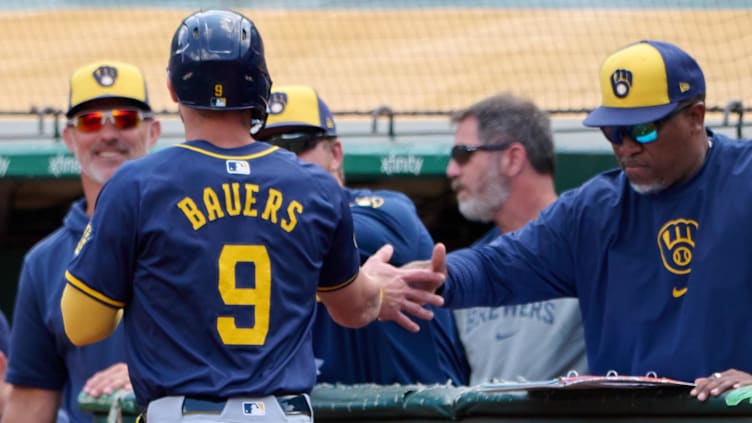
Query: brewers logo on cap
x=297, y=106
x=621, y=82
x=105, y=75
x=277, y=103
x=107, y=79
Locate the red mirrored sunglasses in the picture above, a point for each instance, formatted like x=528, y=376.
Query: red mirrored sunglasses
x=120, y=118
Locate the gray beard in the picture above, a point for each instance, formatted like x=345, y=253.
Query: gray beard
x=484, y=206
x=647, y=189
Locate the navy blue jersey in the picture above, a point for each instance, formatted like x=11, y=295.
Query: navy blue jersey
x=41, y=356
x=217, y=255
x=384, y=352
x=663, y=279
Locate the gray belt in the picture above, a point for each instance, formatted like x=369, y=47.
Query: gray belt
x=290, y=405
x=283, y=408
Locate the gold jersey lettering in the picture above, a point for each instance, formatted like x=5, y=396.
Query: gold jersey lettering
x=250, y=200
x=240, y=199
x=293, y=210
x=191, y=211
x=213, y=207
x=273, y=203
x=232, y=200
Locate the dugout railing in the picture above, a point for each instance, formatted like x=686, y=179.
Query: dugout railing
x=443, y=403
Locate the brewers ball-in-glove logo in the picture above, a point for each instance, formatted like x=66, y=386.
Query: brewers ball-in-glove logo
x=372, y=201
x=621, y=82
x=277, y=103
x=105, y=75
x=676, y=241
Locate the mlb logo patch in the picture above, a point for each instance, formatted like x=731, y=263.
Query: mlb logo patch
x=238, y=167
x=254, y=409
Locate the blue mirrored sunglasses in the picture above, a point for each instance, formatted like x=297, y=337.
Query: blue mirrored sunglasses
x=643, y=133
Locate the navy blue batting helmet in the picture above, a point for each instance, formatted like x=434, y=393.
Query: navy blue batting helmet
x=217, y=63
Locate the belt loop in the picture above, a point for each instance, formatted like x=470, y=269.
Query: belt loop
x=295, y=405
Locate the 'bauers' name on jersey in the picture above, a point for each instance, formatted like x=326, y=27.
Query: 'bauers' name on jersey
x=236, y=199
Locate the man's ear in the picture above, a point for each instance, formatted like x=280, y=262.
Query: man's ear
x=337, y=151
x=336, y=165
x=513, y=160
x=68, y=138
x=697, y=114
x=155, y=130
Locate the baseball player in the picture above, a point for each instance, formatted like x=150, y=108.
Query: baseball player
x=382, y=353
x=109, y=122
x=217, y=247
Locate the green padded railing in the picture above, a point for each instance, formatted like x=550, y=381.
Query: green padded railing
x=436, y=403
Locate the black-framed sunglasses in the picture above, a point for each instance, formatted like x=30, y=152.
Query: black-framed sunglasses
x=297, y=142
x=643, y=133
x=462, y=153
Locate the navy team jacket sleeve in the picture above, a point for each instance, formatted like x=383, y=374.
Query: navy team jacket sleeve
x=34, y=360
x=534, y=263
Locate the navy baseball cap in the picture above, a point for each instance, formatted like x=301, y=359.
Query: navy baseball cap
x=643, y=82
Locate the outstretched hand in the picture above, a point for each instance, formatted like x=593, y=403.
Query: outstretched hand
x=437, y=264
x=404, y=290
x=438, y=259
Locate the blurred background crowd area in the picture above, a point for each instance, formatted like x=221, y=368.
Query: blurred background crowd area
x=415, y=56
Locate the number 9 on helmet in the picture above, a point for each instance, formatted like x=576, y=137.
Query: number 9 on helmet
x=217, y=63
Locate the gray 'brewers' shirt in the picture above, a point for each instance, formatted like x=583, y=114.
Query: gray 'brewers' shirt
x=536, y=341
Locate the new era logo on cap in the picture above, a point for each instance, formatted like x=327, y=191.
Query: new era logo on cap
x=644, y=82
x=107, y=79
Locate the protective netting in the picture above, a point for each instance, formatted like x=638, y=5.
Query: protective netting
x=416, y=56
